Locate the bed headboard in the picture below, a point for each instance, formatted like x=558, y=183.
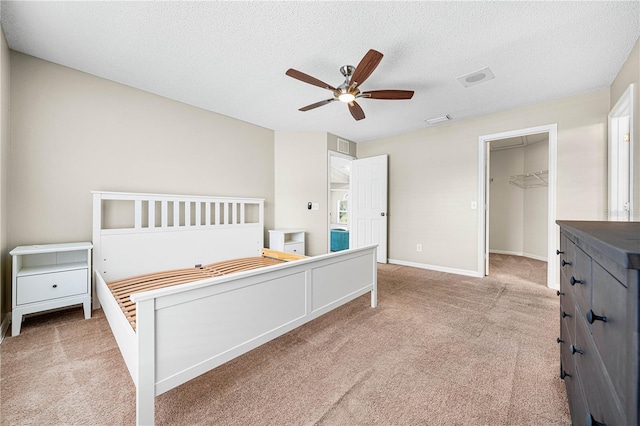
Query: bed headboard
x=141, y=233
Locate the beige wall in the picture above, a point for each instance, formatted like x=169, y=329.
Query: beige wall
x=72, y=132
x=630, y=73
x=433, y=176
x=5, y=88
x=536, y=203
x=332, y=144
x=301, y=176
x=506, y=202
x=518, y=216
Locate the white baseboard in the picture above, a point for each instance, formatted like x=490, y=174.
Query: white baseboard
x=519, y=253
x=535, y=256
x=436, y=268
x=4, y=327
x=510, y=253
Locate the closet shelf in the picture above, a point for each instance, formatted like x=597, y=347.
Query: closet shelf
x=531, y=180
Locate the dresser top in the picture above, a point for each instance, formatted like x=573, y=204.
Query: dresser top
x=619, y=241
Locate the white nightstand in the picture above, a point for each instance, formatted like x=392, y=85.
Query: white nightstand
x=49, y=276
x=287, y=240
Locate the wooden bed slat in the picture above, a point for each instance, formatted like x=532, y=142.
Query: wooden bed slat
x=124, y=288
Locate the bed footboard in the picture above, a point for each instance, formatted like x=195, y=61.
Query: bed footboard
x=187, y=330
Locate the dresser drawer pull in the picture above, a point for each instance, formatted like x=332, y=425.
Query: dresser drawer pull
x=559, y=252
x=55, y=286
x=593, y=422
x=591, y=317
x=564, y=314
x=573, y=281
x=565, y=263
x=574, y=351
x=564, y=374
x=559, y=340
x=559, y=293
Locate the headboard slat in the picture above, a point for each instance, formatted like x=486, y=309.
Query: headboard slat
x=175, y=244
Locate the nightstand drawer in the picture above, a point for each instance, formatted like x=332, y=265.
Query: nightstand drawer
x=297, y=248
x=36, y=288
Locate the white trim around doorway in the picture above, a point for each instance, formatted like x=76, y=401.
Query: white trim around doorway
x=552, y=238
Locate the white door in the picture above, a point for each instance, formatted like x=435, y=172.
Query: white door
x=621, y=203
x=368, y=204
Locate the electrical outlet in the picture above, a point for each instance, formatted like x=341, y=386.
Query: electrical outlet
x=315, y=206
x=419, y=247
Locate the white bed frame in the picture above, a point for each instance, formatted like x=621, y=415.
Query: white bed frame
x=186, y=330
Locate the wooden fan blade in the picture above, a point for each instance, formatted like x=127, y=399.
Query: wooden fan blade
x=388, y=94
x=366, y=66
x=356, y=111
x=316, y=105
x=308, y=79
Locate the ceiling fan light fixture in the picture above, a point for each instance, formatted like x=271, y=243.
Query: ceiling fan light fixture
x=346, y=97
x=349, y=91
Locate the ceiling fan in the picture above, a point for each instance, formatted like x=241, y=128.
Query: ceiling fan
x=349, y=91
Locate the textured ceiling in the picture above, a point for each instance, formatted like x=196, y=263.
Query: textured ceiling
x=231, y=57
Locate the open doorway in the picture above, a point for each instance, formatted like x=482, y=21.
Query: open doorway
x=357, y=200
x=517, y=197
x=516, y=177
x=338, y=202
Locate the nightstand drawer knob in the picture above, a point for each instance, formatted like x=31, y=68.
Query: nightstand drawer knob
x=574, y=350
x=565, y=263
x=591, y=317
x=559, y=340
x=559, y=252
x=573, y=281
x=559, y=293
x=55, y=286
x=564, y=314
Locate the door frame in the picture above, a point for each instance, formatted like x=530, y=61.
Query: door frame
x=552, y=232
x=624, y=107
x=329, y=155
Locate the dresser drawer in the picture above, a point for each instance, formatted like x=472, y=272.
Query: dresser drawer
x=601, y=400
x=36, y=288
x=575, y=396
x=567, y=320
x=567, y=247
x=297, y=248
x=566, y=294
x=582, y=282
x=567, y=326
x=611, y=337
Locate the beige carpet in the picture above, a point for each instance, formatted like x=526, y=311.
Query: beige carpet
x=440, y=349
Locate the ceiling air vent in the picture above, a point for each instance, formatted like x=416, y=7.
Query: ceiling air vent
x=477, y=77
x=343, y=146
x=437, y=120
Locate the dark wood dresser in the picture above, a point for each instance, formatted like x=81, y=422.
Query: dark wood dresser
x=599, y=295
